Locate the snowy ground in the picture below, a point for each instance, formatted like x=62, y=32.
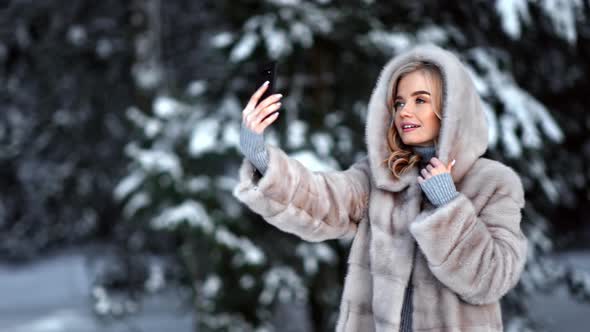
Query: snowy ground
x=557, y=311
x=53, y=296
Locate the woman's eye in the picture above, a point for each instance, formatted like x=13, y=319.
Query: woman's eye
x=420, y=101
x=398, y=104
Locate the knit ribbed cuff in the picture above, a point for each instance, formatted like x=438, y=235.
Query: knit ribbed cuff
x=439, y=189
x=253, y=148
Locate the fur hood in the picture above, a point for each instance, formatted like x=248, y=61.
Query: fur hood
x=464, y=130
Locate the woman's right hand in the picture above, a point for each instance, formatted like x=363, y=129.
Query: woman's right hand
x=254, y=121
x=254, y=115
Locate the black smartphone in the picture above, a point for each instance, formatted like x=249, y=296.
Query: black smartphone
x=266, y=71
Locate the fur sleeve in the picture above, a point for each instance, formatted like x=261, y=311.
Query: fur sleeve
x=480, y=257
x=315, y=206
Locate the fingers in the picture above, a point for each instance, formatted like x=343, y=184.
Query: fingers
x=451, y=164
x=435, y=167
x=266, y=103
x=254, y=99
x=259, y=115
x=255, y=111
x=267, y=122
x=254, y=106
x=262, y=120
x=425, y=174
x=436, y=162
x=256, y=118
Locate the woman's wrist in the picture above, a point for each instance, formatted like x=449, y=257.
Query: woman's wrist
x=439, y=189
x=253, y=148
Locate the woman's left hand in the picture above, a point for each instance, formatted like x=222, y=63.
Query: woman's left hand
x=435, y=167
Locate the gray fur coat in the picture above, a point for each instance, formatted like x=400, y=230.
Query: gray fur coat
x=465, y=254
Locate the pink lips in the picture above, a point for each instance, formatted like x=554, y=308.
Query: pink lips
x=409, y=129
x=408, y=123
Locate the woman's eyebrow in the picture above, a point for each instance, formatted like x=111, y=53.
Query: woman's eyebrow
x=420, y=92
x=415, y=93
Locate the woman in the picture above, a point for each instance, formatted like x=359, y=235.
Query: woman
x=436, y=243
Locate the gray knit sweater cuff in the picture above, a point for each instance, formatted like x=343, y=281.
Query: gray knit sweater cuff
x=439, y=189
x=253, y=148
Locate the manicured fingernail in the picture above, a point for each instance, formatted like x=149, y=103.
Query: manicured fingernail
x=453, y=163
x=280, y=95
x=265, y=83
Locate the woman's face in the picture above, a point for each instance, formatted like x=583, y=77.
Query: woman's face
x=413, y=104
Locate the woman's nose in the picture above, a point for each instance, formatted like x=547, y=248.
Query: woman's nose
x=406, y=111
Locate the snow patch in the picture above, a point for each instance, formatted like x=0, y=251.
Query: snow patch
x=296, y=132
x=166, y=107
x=323, y=143
x=129, y=184
x=211, y=286
x=221, y=40
x=156, y=161
x=77, y=35
x=247, y=251
x=313, y=254
x=231, y=135
x=244, y=48
x=196, y=88
x=314, y=163
x=198, y=184
x=284, y=283
x=301, y=33
x=204, y=137
x=137, y=201
x=511, y=12
x=523, y=111
x=562, y=14
x=189, y=211
x=276, y=40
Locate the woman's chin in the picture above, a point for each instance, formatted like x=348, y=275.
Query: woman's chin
x=417, y=143
x=411, y=142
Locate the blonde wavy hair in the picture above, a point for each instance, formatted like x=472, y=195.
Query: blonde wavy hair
x=401, y=157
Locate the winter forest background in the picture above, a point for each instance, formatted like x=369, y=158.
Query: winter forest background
x=119, y=133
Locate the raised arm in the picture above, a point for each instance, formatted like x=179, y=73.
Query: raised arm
x=315, y=206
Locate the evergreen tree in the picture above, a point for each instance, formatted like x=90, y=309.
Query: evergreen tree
x=64, y=79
